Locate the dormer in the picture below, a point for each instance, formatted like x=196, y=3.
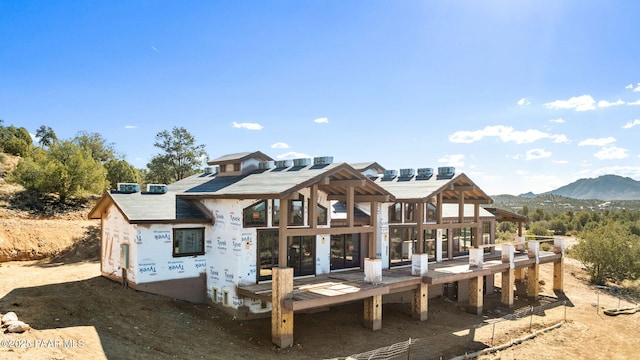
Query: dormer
x=239, y=163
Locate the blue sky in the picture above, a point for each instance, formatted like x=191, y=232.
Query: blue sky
x=520, y=95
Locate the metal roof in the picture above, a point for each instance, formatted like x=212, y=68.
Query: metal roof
x=416, y=189
x=148, y=207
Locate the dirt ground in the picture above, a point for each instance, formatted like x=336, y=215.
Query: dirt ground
x=77, y=314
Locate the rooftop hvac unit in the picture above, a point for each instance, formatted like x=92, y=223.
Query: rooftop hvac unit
x=128, y=188
x=264, y=165
x=407, y=173
x=390, y=174
x=157, y=188
x=301, y=162
x=323, y=160
x=446, y=171
x=283, y=164
x=425, y=173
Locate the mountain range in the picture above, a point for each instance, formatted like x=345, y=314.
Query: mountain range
x=605, y=187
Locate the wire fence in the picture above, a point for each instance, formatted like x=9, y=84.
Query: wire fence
x=499, y=333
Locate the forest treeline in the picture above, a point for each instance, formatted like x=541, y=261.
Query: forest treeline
x=89, y=164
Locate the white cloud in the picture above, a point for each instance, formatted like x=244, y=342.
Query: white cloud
x=280, y=145
x=634, y=103
x=597, y=142
x=606, y=104
x=293, y=155
x=248, y=126
x=523, y=102
x=522, y=172
x=580, y=103
x=630, y=86
x=452, y=160
x=534, y=154
x=506, y=134
x=611, y=152
x=323, y=120
x=557, y=121
x=130, y=127
x=637, y=89
x=561, y=162
x=631, y=124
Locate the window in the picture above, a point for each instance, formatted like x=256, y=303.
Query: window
x=300, y=254
x=268, y=253
x=188, y=242
x=461, y=241
x=430, y=243
x=236, y=166
x=322, y=214
x=402, y=244
x=256, y=214
x=410, y=212
x=431, y=213
x=223, y=168
x=395, y=212
x=296, y=211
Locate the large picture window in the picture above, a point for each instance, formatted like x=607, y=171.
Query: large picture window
x=296, y=211
x=188, y=242
x=402, y=244
x=256, y=214
x=322, y=215
x=395, y=213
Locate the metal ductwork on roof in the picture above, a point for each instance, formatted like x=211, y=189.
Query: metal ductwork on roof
x=323, y=160
x=302, y=162
x=280, y=164
x=264, y=165
x=446, y=171
x=390, y=174
x=425, y=173
x=407, y=173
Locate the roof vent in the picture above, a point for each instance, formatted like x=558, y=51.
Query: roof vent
x=281, y=164
x=128, y=188
x=425, y=173
x=407, y=173
x=157, y=188
x=390, y=174
x=323, y=160
x=302, y=162
x=446, y=171
x=264, y=165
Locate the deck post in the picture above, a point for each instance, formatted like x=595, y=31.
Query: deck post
x=558, y=266
x=533, y=273
x=373, y=312
x=281, y=318
x=508, y=281
x=519, y=273
x=420, y=302
x=532, y=281
x=373, y=270
x=475, y=295
x=439, y=245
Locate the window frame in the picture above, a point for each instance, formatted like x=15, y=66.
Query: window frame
x=265, y=212
x=395, y=213
x=201, y=241
x=322, y=210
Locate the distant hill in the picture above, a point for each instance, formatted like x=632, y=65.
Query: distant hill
x=606, y=187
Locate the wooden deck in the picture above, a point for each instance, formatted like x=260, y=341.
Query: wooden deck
x=341, y=287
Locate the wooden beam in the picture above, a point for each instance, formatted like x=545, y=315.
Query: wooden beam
x=420, y=302
x=461, y=208
x=508, y=282
x=281, y=317
x=330, y=231
x=475, y=295
x=357, y=183
x=313, y=207
x=439, y=209
x=373, y=312
x=351, y=206
x=533, y=274
x=558, y=275
x=464, y=188
x=361, y=198
x=420, y=221
x=324, y=301
x=450, y=225
x=467, y=201
x=282, y=233
x=373, y=236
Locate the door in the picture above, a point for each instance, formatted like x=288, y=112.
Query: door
x=345, y=251
x=301, y=256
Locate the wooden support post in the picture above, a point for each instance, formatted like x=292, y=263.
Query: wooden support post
x=508, y=276
x=475, y=295
x=508, y=281
x=532, y=281
x=519, y=274
x=373, y=312
x=282, y=233
x=281, y=318
x=558, y=275
x=420, y=302
x=420, y=221
x=313, y=207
